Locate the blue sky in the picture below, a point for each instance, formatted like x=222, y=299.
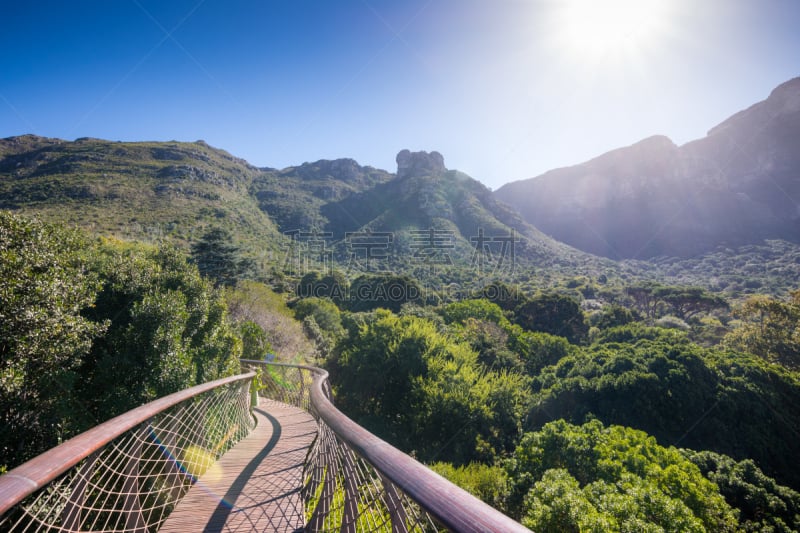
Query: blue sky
x=504, y=89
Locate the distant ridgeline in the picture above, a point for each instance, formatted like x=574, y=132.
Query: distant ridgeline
x=737, y=186
x=720, y=212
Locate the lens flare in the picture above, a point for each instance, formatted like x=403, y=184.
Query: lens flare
x=595, y=30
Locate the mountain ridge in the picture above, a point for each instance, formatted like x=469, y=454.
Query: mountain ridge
x=738, y=185
x=174, y=191
x=668, y=207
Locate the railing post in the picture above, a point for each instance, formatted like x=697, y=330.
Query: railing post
x=323, y=508
x=132, y=507
x=301, y=393
x=397, y=513
x=350, y=514
x=71, y=515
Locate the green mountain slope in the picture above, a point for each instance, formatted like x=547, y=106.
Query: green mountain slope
x=431, y=211
x=294, y=196
x=143, y=190
x=430, y=221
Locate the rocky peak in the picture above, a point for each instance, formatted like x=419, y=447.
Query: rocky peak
x=783, y=101
x=785, y=98
x=419, y=163
x=341, y=169
x=345, y=169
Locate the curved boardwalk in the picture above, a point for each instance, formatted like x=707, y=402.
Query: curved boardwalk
x=256, y=485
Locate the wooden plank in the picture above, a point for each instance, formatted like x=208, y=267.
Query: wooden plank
x=256, y=485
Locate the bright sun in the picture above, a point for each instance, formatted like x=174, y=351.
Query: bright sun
x=599, y=30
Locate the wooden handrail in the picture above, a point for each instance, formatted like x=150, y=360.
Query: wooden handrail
x=452, y=506
x=27, y=478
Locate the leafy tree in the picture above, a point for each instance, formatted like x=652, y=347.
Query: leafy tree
x=218, y=258
x=322, y=322
x=423, y=391
x=507, y=297
x=765, y=505
x=324, y=311
x=483, y=325
x=375, y=367
x=645, y=298
x=322, y=341
x=652, y=300
x=680, y=393
x=612, y=316
x=168, y=329
x=557, y=503
x=44, y=286
x=537, y=350
x=597, y=478
x=553, y=313
x=255, y=343
x=489, y=483
x=686, y=302
x=770, y=329
x=491, y=343
x=383, y=291
x=333, y=286
x=637, y=331
x=479, y=309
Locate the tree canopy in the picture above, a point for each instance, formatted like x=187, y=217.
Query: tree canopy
x=596, y=478
x=90, y=329
x=424, y=391
x=218, y=258
x=680, y=393
x=44, y=287
x=770, y=328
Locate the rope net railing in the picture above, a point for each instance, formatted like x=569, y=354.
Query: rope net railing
x=128, y=474
x=353, y=481
x=342, y=491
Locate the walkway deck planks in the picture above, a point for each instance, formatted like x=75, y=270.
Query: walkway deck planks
x=256, y=485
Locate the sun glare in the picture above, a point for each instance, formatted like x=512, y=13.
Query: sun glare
x=596, y=30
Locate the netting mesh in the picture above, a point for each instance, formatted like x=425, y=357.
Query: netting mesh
x=342, y=491
x=133, y=483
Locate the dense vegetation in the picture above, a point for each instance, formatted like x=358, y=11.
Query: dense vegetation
x=43, y=337
x=571, y=392
x=576, y=420
x=92, y=328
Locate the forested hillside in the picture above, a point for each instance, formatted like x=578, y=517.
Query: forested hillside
x=151, y=192
x=614, y=407
x=435, y=224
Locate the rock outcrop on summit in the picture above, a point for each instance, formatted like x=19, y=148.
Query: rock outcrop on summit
x=419, y=164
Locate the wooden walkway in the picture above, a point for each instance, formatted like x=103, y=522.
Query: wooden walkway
x=256, y=485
